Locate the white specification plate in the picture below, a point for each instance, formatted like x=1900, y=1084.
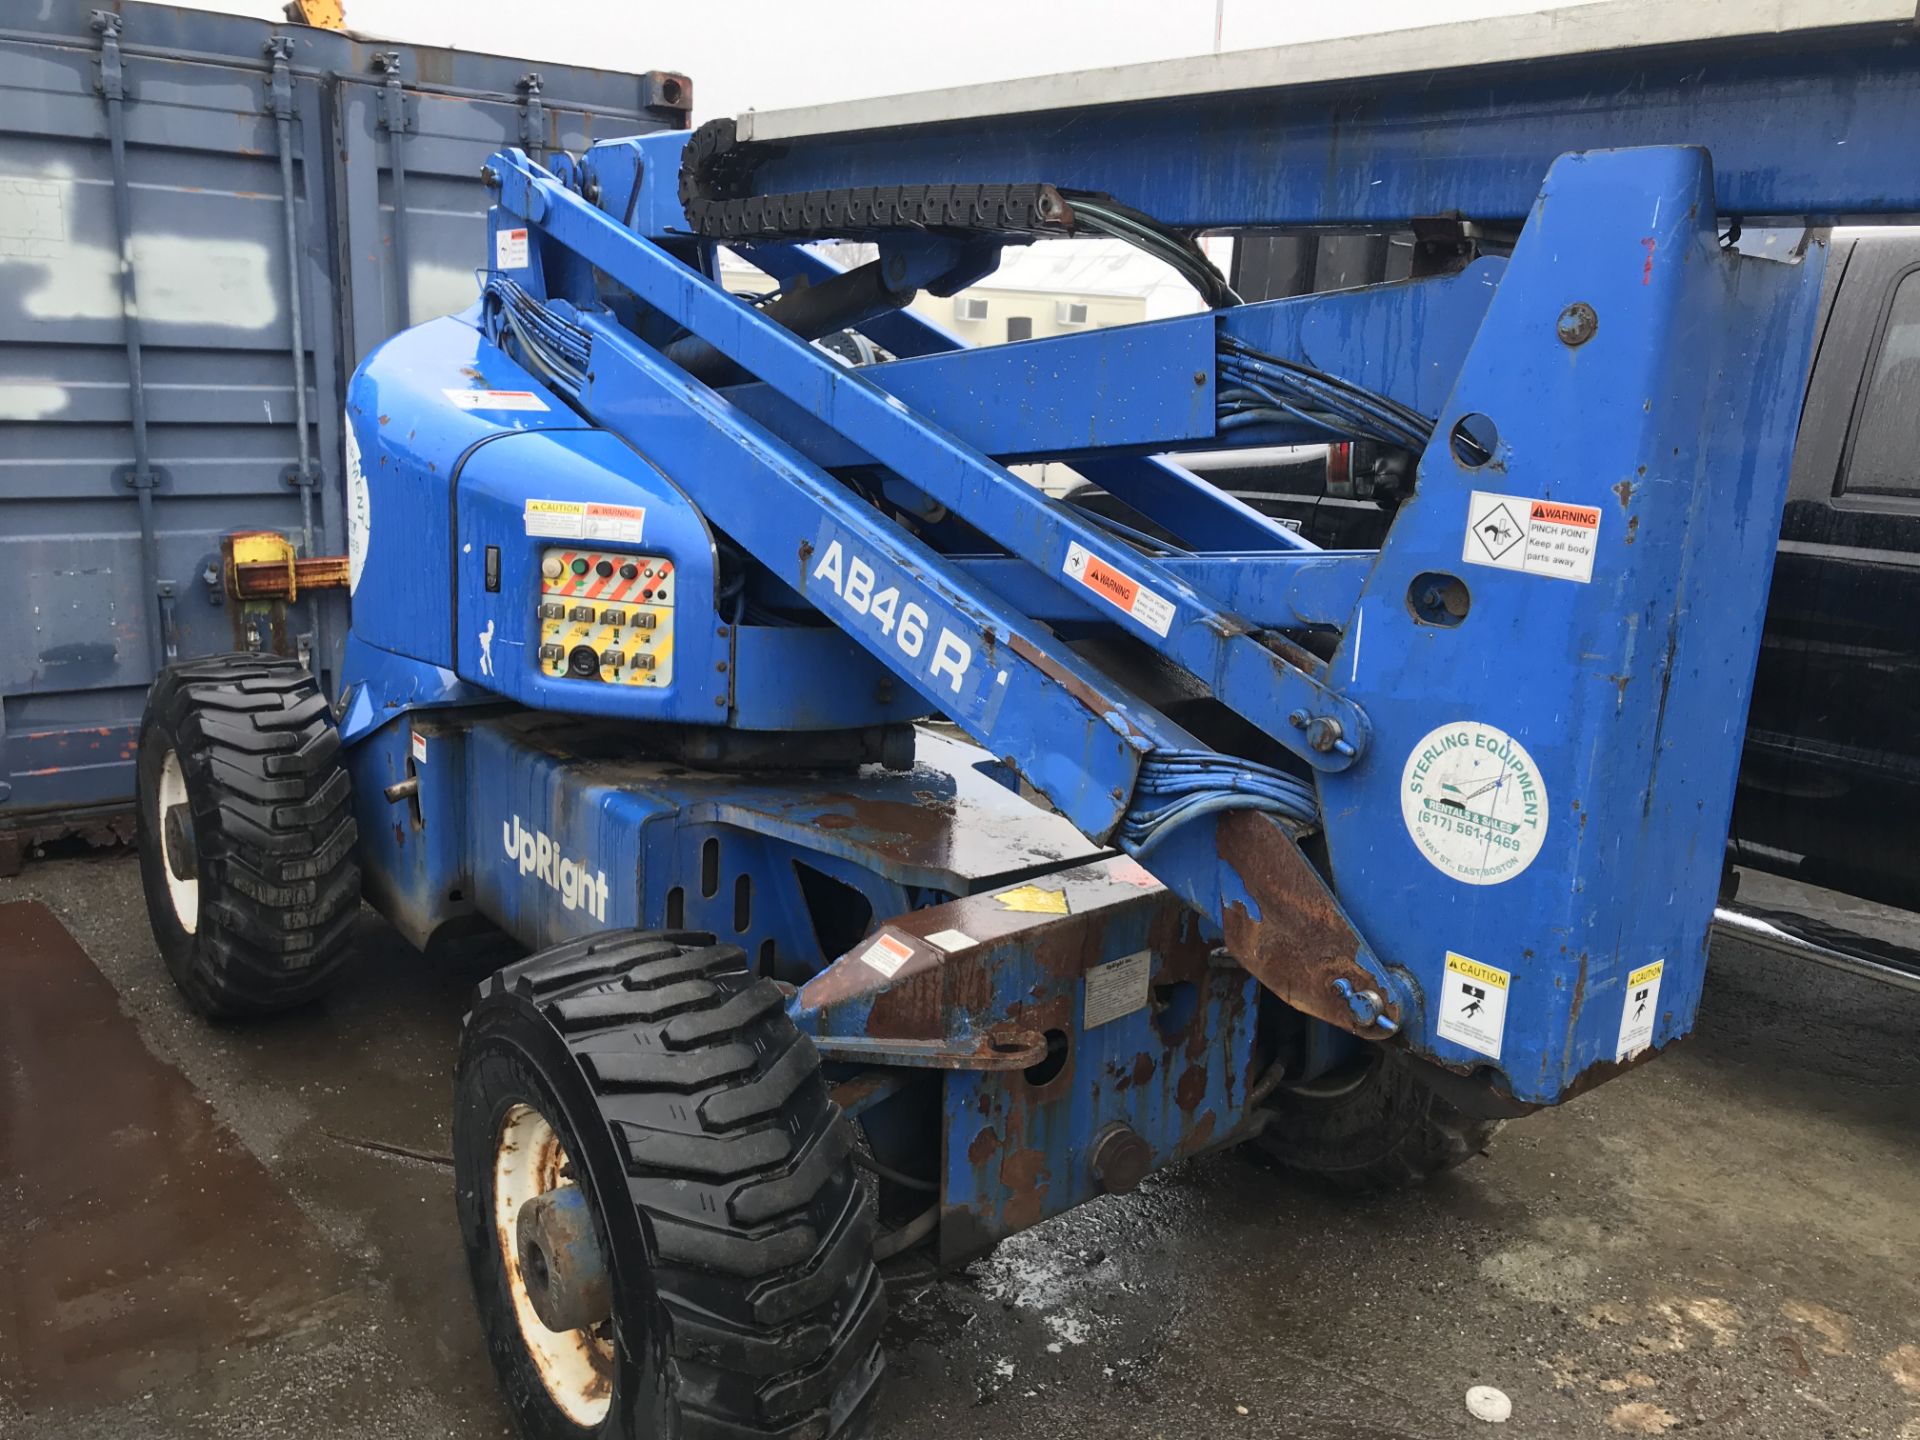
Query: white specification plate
x=1537, y=537
x=1118, y=988
x=494, y=400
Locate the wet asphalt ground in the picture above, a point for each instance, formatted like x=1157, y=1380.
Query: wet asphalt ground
x=255, y=1237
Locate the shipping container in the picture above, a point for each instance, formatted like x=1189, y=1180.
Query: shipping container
x=251, y=174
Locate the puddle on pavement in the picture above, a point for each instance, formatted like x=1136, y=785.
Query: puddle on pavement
x=146, y=1243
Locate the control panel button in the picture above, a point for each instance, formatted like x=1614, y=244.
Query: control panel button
x=643, y=661
x=613, y=658
x=581, y=613
x=629, y=570
x=553, y=611
x=603, y=569
x=580, y=565
x=549, y=653
x=551, y=567
x=583, y=661
x=643, y=621
x=613, y=617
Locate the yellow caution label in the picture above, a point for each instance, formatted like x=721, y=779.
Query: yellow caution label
x=1033, y=900
x=1474, y=970
x=1646, y=974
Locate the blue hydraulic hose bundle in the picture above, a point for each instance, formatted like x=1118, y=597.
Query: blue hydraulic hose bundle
x=1261, y=389
x=1176, y=786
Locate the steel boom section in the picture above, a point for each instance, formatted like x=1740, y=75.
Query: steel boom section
x=1260, y=684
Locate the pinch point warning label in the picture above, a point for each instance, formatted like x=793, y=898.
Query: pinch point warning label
x=1536, y=537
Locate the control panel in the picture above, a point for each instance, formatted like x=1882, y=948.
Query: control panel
x=606, y=616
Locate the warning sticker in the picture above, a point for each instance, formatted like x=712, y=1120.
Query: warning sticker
x=494, y=399
x=1033, y=900
x=419, y=748
x=887, y=954
x=1474, y=802
x=1117, y=988
x=1539, y=537
x=950, y=940
x=1473, y=1004
x=615, y=522
x=1641, y=1010
x=1121, y=591
x=510, y=249
x=1129, y=871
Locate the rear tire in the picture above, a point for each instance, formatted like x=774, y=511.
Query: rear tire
x=1374, y=1125
x=745, y=1301
x=245, y=827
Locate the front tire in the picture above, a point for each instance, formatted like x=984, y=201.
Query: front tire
x=728, y=1222
x=245, y=828
x=1371, y=1125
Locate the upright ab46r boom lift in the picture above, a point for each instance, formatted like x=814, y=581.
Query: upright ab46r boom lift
x=1350, y=854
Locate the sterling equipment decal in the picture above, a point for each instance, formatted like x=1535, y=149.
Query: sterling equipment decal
x=1474, y=802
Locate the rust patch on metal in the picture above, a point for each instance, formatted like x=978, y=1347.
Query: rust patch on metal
x=1090, y=699
x=1142, y=1069
x=1192, y=1088
x=1300, y=943
x=1024, y=1173
x=983, y=1146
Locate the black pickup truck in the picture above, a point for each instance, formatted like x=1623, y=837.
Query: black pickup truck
x=1830, y=782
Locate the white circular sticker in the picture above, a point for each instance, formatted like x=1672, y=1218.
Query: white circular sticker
x=359, y=508
x=1474, y=802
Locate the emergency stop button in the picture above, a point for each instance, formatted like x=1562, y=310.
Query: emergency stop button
x=551, y=567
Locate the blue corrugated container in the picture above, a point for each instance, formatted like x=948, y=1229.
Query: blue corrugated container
x=96, y=584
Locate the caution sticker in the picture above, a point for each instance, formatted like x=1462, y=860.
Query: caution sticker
x=1117, y=988
x=1640, y=1010
x=1033, y=900
x=419, y=748
x=887, y=954
x=1473, y=1004
x=1539, y=537
x=1474, y=802
x=494, y=400
x=950, y=940
x=510, y=249
x=556, y=519
x=1119, y=590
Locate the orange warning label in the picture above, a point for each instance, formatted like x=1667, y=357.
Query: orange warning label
x=1585, y=517
x=1118, y=589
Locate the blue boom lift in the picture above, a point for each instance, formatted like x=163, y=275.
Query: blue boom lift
x=1219, y=838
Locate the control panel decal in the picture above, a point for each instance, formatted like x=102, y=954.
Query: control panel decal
x=606, y=616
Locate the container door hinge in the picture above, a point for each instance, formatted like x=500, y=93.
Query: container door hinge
x=112, y=82
x=533, y=115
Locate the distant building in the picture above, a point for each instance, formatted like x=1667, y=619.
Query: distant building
x=1052, y=287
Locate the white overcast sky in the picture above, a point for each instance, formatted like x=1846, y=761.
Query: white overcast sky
x=756, y=54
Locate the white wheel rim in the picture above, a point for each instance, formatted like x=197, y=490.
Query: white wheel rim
x=576, y=1366
x=185, y=894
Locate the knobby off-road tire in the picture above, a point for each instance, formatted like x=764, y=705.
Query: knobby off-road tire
x=239, y=783
x=1373, y=1125
x=668, y=1083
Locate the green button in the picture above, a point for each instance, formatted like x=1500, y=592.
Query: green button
x=580, y=567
